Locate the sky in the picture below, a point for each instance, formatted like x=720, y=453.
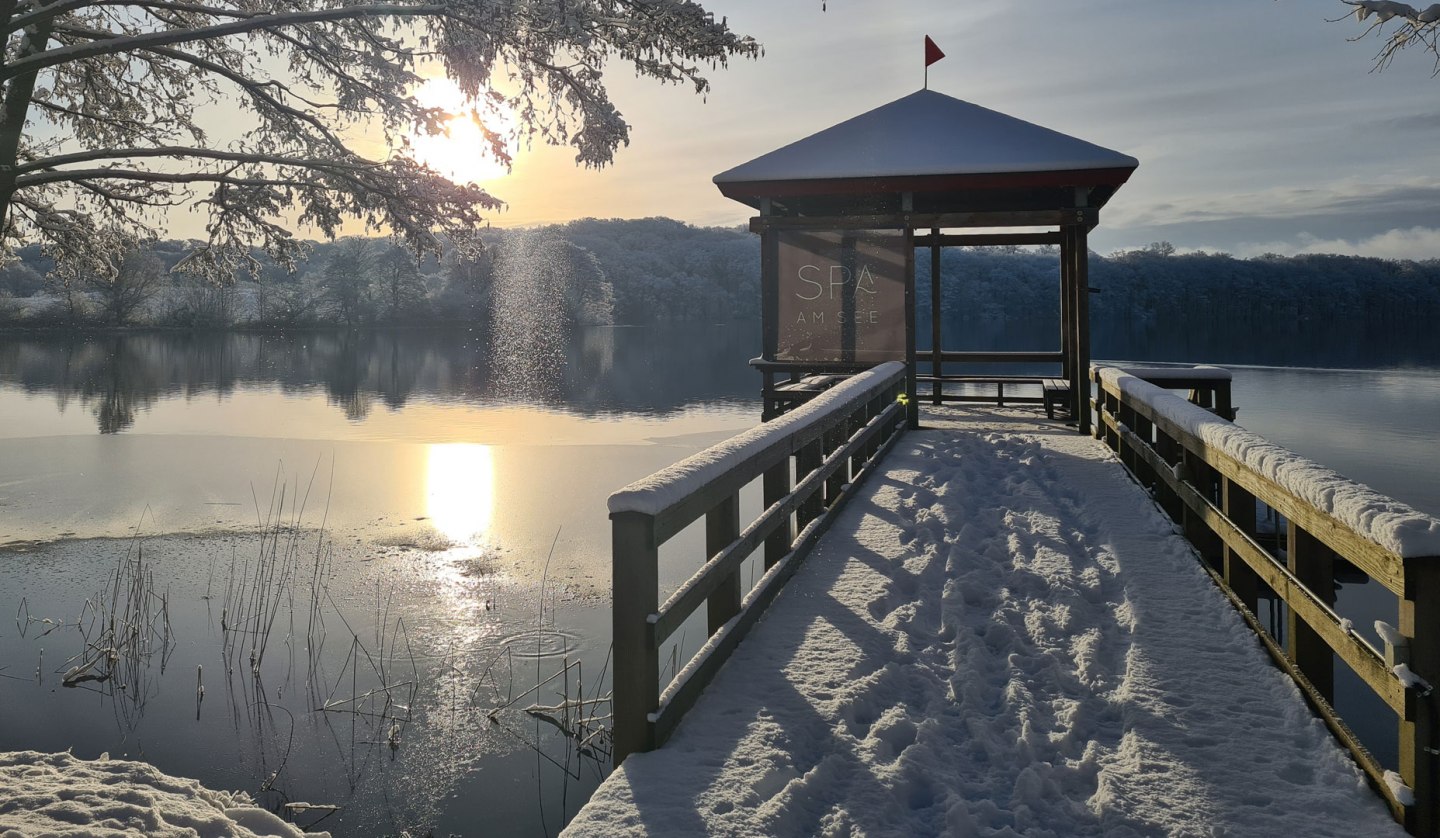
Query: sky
x=1260, y=125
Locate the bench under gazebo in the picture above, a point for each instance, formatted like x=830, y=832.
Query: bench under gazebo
x=842, y=211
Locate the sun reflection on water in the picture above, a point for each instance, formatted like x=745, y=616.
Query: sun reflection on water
x=460, y=491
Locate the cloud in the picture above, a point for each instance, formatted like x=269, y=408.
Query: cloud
x=1388, y=219
x=1413, y=122
x=1348, y=197
x=1416, y=243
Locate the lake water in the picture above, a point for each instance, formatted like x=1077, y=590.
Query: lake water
x=464, y=558
x=368, y=550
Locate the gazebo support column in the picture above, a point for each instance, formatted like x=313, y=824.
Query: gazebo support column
x=1067, y=342
x=935, y=316
x=769, y=309
x=912, y=408
x=1071, y=338
x=1081, y=378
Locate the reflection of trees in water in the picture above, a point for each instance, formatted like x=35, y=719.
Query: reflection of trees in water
x=113, y=377
x=346, y=372
x=398, y=370
x=605, y=370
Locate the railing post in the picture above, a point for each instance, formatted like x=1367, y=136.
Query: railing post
x=635, y=592
x=873, y=408
x=1144, y=429
x=859, y=418
x=1102, y=431
x=722, y=527
x=1420, y=623
x=1114, y=403
x=1171, y=452
x=776, y=485
x=1116, y=439
x=1314, y=565
x=1197, y=532
x=834, y=484
x=767, y=396
x=1224, y=405
x=1239, y=506
x=807, y=459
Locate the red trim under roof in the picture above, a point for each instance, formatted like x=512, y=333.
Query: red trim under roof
x=923, y=183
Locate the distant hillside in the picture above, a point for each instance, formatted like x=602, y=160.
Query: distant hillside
x=660, y=270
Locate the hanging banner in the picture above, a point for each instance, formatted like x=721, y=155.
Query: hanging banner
x=841, y=296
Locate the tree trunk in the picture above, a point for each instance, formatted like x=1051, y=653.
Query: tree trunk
x=13, y=111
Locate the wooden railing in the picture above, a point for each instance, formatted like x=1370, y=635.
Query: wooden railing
x=1208, y=474
x=1029, y=384
x=809, y=462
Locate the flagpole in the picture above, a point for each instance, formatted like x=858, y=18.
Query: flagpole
x=932, y=54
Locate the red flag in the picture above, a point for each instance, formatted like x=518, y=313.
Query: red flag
x=932, y=52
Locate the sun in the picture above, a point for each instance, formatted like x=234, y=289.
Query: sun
x=461, y=152
x=460, y=491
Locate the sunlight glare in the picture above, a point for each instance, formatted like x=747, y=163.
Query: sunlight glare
x=461, y=153
x=460, y=491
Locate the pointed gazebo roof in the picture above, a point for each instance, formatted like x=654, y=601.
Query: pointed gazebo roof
x=948, y=154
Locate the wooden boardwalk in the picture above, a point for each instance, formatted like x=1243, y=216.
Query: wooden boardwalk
x=1001, y=631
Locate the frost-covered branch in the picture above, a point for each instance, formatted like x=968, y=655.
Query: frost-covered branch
x=241, y=26
x=107, y=108
x=46, y=170
x=1417, y=27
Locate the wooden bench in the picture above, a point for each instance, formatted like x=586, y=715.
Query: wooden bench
x=782, y=397
x=1056, y=394
x=789, y=384
x=810, y=384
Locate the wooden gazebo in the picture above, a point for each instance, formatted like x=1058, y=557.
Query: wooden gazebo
x=842, y=211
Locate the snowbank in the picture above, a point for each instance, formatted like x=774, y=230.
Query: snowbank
x=62, y=795
x=1385, y=521
x=1000, y=635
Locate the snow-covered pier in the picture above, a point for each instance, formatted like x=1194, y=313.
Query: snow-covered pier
x=1003, y=630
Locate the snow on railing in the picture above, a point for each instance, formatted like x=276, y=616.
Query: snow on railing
x=833, y=442
x=1208, y=474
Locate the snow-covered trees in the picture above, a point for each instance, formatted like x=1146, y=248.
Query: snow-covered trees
x=345, y=283
x=258, y=112
x=128, y=284
x=1417, y=27
x=399, y=290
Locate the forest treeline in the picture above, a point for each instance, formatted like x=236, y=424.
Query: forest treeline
x=1154, y=290
x=588, y=272
x=657, y=270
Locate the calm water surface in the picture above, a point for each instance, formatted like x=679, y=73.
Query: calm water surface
x=410, y=538
x=406, y=539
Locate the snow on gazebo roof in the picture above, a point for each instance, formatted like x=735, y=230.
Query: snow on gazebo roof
x=927, y=141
